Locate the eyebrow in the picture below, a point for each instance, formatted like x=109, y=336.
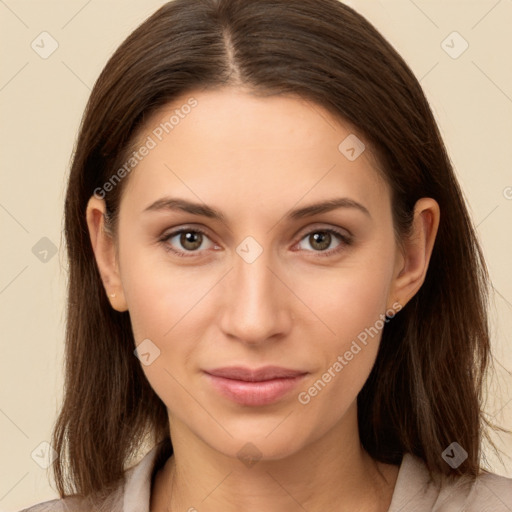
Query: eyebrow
x=169, y=203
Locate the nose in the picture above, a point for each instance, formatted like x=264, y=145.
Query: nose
x=256, y=306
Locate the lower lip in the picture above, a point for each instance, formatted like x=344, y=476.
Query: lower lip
x=254, y=393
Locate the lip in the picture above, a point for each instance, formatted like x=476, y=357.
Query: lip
x=254, y=387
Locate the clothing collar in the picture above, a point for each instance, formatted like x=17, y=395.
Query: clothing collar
x=137, y=487
x=413, y=489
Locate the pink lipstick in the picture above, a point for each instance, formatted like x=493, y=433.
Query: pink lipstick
x=254, y=387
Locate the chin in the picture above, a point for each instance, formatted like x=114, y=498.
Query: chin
x=261, y=441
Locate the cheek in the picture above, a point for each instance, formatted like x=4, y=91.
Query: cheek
x=351, y=304
x=159, y=298
x=347, y=300
x=167, y=307
x=158, y=294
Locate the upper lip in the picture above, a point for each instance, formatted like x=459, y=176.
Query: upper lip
x=256, y=374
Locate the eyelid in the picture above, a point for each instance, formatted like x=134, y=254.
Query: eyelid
x=344, y=236
x=166, y=235
x=320, y=226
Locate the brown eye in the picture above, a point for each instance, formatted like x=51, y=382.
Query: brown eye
x=187, y=242
x=191, y=240
x=320, y=240
x=323, y=242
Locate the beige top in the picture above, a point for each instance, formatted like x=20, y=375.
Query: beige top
x=414, y=491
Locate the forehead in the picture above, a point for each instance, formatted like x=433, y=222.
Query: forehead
x=234, y=147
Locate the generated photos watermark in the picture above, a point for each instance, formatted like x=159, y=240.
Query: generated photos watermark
x=151, y=142
x=304, y=397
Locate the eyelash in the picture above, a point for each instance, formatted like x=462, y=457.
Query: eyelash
x=182, y=254
x=345, y=239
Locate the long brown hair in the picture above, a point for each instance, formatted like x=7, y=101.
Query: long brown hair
x=425, y=389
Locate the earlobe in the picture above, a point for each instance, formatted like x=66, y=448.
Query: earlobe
x=417, y=250
x=103, y=245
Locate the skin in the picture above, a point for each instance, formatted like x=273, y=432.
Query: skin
x=255, y=159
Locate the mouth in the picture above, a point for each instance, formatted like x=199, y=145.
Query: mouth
x=254, y=387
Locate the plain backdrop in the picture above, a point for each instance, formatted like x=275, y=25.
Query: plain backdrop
x=467, y=78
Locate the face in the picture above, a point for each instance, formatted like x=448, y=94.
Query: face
x=223, y=262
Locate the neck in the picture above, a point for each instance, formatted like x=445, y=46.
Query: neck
x=333, y=469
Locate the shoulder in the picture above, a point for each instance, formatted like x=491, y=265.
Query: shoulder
x=111, y=502
x=487, y=492
x=416, y=490
x=63, y=505
x=131, y=494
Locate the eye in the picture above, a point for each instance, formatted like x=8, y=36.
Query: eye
x=186, y=240
x=322, y=240
x=191, y=241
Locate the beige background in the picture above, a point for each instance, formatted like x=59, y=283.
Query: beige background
x=42, y=101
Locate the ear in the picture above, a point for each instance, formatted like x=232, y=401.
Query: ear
x=103, y=245
x=412, y=263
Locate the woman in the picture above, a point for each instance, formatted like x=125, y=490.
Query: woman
x=274, y=279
